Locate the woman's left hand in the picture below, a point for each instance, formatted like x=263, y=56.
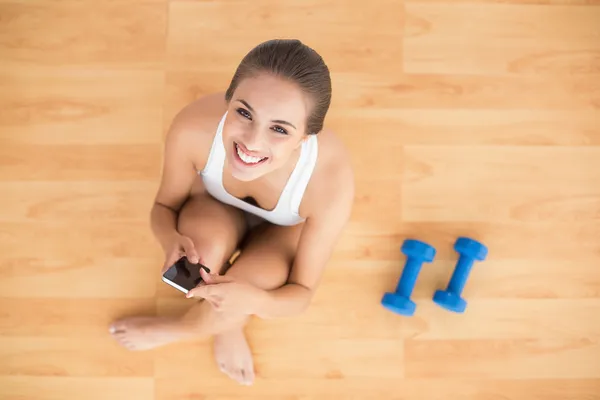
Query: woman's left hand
x=227, y=294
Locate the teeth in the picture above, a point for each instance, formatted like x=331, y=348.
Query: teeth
x=247, y=158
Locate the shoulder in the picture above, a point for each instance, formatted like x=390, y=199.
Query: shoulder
x=331, y=188
x=193, y=128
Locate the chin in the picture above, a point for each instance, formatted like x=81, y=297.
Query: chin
x=245, y=176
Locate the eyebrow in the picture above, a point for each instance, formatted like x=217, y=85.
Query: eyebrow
x=277, y=121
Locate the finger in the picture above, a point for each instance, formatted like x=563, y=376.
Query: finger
x=204, y=291
x=214, y=278
x=190, y=250
x=206, y=277
x=171, y=259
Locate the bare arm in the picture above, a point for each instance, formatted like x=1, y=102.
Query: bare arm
x=178, y=175
x=319, y=236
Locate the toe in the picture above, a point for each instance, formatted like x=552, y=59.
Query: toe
x=248, y=375
x=128, y=344
x=121, y=339
x=117, y=327
x=230, y=372
x=239, y=376
x=120, y=335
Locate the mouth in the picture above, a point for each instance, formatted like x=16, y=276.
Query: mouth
x=245, y=158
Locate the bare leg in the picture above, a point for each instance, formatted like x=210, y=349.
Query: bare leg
x=265, y=262
x=216, y=229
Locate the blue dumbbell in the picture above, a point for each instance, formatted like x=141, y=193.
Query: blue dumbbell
x=469, y=250
x=417, y=252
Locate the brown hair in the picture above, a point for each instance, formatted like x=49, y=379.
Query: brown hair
x=293, y=60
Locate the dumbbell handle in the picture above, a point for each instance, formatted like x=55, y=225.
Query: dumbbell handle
x=460, y=274
x=407, y=281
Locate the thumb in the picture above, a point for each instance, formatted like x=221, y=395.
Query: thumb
x=202, y=291
x=190, y=249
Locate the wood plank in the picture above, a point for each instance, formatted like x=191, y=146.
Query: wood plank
x=381, y=240
x=374, y=388
x=359, y=93
x=85, y=277
x=58, y=105
x=528, y=39
x=355, y=47
x=114, y=35
x=48, y=388
x=80, y=162
x=561, y=191
x=583, y=3
x=66, y=318
x=56, y=357
x=453, y=126
x=67, y=201
x=94, y=239
x=503, y=359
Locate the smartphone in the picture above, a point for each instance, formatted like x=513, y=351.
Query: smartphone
x=183, y=275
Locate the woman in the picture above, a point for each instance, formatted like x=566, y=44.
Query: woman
x=251, y=170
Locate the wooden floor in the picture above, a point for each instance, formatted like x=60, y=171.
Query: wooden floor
x=478, y=118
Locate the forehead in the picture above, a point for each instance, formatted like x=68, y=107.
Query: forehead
x=273, y=98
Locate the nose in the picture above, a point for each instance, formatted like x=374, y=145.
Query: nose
x=252, y=140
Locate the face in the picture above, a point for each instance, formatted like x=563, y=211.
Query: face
x=265, y=125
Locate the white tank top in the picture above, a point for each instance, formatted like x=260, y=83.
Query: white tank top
x=286, y=210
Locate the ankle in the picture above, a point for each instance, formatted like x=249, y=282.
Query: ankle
x=194, y=326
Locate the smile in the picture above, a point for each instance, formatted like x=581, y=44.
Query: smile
x=246, y=158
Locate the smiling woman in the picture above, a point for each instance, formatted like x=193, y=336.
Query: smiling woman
x=251, y=171
x=262, y=136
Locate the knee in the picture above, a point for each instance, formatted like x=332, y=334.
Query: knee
x=213, y=253
x=212, y=249
x=214, y=230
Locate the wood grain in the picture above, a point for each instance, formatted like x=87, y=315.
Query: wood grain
x=377, y=94
x=51, y=388
x=477, y=118
x=528, y=39
x=502, y=359
x=126, y=34
x=64, y=317
x=70, y=105
x=354, y=47
x=70, y=357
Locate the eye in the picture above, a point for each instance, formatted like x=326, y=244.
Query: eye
x=280, y=130
x=244, y=113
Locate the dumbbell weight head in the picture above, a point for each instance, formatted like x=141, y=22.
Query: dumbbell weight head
x=417, y=252
x=398, y=304
x=450, y=301
x=469, y=250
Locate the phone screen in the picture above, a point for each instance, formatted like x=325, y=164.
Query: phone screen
x=183, y=275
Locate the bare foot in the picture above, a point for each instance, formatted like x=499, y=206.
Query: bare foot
x=233, y=356
x=143, y=333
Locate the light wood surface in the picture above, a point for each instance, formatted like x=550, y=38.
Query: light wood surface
x=478, y=118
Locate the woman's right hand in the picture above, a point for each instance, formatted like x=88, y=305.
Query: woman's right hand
x=178, y=247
